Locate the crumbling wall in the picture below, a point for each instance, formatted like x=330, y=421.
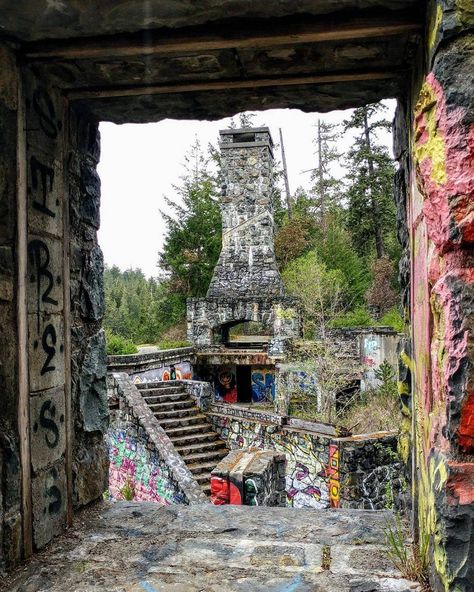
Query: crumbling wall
x=88, y=356
x=435, y=146
x=372, y=474
x=48, y=164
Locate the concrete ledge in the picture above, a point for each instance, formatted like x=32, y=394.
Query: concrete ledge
x=245, y=413
x=138, y=362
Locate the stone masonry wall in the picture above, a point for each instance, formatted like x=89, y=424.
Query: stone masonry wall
x=247, y=266
x=88, y=376
x=372, y=474
x=205, y=317
x=10, y=471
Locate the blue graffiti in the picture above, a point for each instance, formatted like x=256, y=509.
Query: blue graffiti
x=263, y=387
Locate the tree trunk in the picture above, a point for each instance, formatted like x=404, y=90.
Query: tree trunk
x=285, y=176
x=322, y=195
x=379, y=245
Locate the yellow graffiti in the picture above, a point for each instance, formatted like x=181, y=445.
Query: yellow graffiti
x=433, y=146
x=433, y=32
x=404, y=439
x=466, y=11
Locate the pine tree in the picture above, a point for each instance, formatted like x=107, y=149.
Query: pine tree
x=371, y=212
x=193, y=239
x=327, y=189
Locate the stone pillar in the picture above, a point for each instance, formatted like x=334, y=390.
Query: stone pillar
x=247, y=265
x=441, y=233
x=47, y=298
x=40, y=424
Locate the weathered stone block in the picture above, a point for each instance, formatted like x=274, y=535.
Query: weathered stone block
x=90, y=290
x=46, y=351
x=45, y=273
x=90, y=468
x=48, y=428
x=49, y=504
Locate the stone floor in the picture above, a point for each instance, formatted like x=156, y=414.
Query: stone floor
x=144, y=547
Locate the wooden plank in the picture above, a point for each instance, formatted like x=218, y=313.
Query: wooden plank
x=69, y=423
x=199, y=39
x=153, y=89
x=22, y=323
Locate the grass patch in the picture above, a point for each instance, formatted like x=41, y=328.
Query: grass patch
x=326, y=562
x=173, y=344
x=119, y=346
x=411, y=560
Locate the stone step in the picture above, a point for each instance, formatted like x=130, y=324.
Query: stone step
x=197, y=469
x=162, y=390
x=203, y=478
x=195, y=437
x=185, y=430
x=188, y=449
x=165, y=398
x=209, y=455
x=176, y=413
x=206, y=488
x=180, y=422
x=171, y=405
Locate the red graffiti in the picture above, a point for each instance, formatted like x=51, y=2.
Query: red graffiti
x=219, y=491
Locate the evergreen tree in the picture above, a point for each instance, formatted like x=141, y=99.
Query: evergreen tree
x=371, y=212
x=193, y=238
x=327, y=189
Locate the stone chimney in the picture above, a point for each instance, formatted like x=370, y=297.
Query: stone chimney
x=247, y=266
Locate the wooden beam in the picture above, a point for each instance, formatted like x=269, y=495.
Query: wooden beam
x=153, y=89
x=22, y=325
x=266, y=35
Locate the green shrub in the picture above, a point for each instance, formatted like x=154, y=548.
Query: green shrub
x=173, y=344
x=359, y=317
x=119, y=346
x=392, y=318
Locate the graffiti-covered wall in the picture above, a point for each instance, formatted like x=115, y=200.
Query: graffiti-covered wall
x=138, y=473
x=179, y=371
x=434, y=143
x=321, y=470
x=263, y=383
x=307, y=457
x=144, y=464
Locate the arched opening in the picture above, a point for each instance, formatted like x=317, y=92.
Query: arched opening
x=244, y=334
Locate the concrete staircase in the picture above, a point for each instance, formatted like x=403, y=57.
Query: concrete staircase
x=187, y=427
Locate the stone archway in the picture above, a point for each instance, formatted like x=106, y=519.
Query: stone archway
x=53, y=92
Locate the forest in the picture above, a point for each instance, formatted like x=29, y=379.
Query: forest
x=336, y=243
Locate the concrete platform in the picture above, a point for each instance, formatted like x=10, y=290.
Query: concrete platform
x=144, y=547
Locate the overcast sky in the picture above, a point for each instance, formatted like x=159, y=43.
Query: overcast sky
x=140, y=164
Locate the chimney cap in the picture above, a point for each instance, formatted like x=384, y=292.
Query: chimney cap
x=245, y=136
x=244, y=130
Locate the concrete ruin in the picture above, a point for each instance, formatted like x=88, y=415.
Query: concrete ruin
x=65, y=66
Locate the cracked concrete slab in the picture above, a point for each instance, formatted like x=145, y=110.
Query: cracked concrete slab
x=145, y=547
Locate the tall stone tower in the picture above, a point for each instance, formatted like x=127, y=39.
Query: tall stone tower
x=247, y=265
x=246, y=285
